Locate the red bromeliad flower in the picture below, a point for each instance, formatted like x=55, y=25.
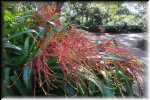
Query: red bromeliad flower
x=41, y=67
x=73, y=49
x=47, y=13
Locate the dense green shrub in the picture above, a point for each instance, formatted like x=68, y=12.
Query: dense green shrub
x=113, y=16
x=134, y=28
x=122, y=29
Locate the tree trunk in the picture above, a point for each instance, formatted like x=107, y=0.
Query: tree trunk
x=59, y=5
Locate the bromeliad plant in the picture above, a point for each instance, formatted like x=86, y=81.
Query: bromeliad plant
x=67, y=63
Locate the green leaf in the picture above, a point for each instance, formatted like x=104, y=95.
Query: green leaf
x=69, y=90
x=41, y=32
x=23, y=17
x=26, y=45
x=81, y=90
x=19, y=85
x=91, y=77
x=6, y=75
x=7, y=92
x=127, y=82
x=113, y=57
x=92, y=88
x=108, y=91
x=8, y=16
x=26, y=75
x=7, y=44
x=6, y=81
x=29, y=32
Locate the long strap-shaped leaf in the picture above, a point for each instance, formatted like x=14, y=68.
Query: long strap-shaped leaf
x=29, y=32
x=94, y=79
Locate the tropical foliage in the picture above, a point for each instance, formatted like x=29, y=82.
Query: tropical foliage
x=44, y=57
